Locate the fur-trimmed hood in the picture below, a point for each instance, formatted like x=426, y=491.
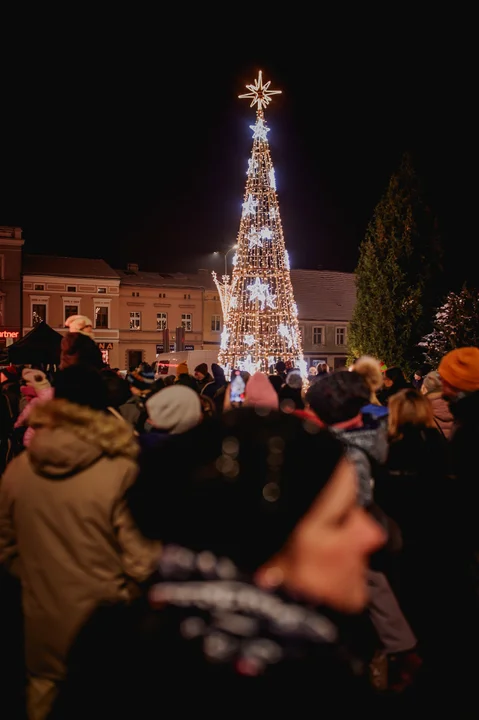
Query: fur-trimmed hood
x=70, y=437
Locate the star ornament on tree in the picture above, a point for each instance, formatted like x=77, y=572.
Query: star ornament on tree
x=250, y=205
x=260, y=131
x=260, y=94
x=254, y=240
x=261, y=292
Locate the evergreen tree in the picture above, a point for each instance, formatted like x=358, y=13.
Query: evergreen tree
x=456, y=324
x=399, y=274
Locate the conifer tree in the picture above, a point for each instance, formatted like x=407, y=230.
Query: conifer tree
x=456, y=324
x=399, y=274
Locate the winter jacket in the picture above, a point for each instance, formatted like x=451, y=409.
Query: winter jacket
x=442, y=413
x=65, y=529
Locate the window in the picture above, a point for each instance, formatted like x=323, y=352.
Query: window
x=186, y=322
x=70, y=310
x=318, y=336
x=71, y=288
x=161, y=321
x=101, y=316
x=101, y=290
x=340, y=336
x=186, y=297
x=216, y=323
x=135, y=320
x=39, y=313
x=135, y=294
x=162, y=295
x=39, y=287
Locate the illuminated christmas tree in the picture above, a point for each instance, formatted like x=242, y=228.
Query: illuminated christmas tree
x=260, y=315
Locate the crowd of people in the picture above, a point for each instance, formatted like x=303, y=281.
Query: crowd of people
x=190, y=544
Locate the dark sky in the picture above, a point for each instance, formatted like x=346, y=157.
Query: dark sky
x=126, y=140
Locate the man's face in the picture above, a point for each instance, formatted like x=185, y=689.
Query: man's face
x=199, y=376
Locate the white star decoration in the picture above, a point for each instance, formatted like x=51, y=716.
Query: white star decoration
x=224, y=339
x=249, y=340
x=286, y=260
x=252, y=166
x=287, y=333
x=273, y=213
x=272, y=179
x=250, y=205
x=260, y=131
x=254, y=239
x=260, y=94
x=261, y=292
x=266, y=233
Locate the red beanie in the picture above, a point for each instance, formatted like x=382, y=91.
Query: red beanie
x=460, y=368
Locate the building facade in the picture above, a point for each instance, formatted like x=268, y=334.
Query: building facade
x=152, y=303
x=54, y=288
x=325, y=303
x=11, y=244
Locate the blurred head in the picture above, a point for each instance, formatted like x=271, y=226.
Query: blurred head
x=370, y=369
x=81, y=385
x=459, y=371
x=117, y=388
x=260, y=393
x=175, y=409
x=79, y=349
x=182, y=369
x=432, y=383
x=201, y=371
x=79, y=323
x=294, y=379
x=409, y=408
x=394, y=376
x=338, y=397
x=141, y=381
x=247, y=493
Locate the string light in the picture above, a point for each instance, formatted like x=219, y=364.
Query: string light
x=259, y=312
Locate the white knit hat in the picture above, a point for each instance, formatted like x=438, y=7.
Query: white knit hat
x=175, y=409
x=79, y=323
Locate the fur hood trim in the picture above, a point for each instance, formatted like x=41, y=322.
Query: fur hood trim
x=104, y=430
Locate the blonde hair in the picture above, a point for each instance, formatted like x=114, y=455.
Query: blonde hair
x=370, y=369
x=432, y=382
x=408, y=407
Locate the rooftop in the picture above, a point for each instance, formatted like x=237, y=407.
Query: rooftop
x=67, y=266
x=201, y=279
x=324, y=294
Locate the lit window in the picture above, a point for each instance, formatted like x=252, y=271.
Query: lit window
x=71, y=288
x=186, y=322
x=101, y=290
x=340, y=336
x=101, y=316
x=39, y=287
x=161, y=321
x=39, y=313
x=135, y=320
x=215, y=323
x=318, y=338
x=70, y=310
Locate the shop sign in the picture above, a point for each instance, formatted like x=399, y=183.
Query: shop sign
x=105, y=346
x=13, y=334
x=189, y=347
x=160, y=348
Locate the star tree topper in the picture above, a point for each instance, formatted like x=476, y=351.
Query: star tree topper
x=260, y=94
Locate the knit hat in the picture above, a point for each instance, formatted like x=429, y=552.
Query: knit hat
x=338, y=396
x=79, y=323
x=260, y=393
x=141, y=379
x=82, y=385
x=35, y=379
x=175, y=409
x=202, y=368
x=460, y=368
x=370, y=368
x=182, y=369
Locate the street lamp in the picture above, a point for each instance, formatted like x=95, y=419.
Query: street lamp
x=221, y=252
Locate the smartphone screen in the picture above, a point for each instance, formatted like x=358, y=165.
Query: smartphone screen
x=237, y=388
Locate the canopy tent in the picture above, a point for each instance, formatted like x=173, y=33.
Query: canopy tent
x=40, y=346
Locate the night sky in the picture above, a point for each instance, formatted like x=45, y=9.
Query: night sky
x=126, y=140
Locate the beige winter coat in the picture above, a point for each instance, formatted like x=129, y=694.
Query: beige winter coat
x=65, y=529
